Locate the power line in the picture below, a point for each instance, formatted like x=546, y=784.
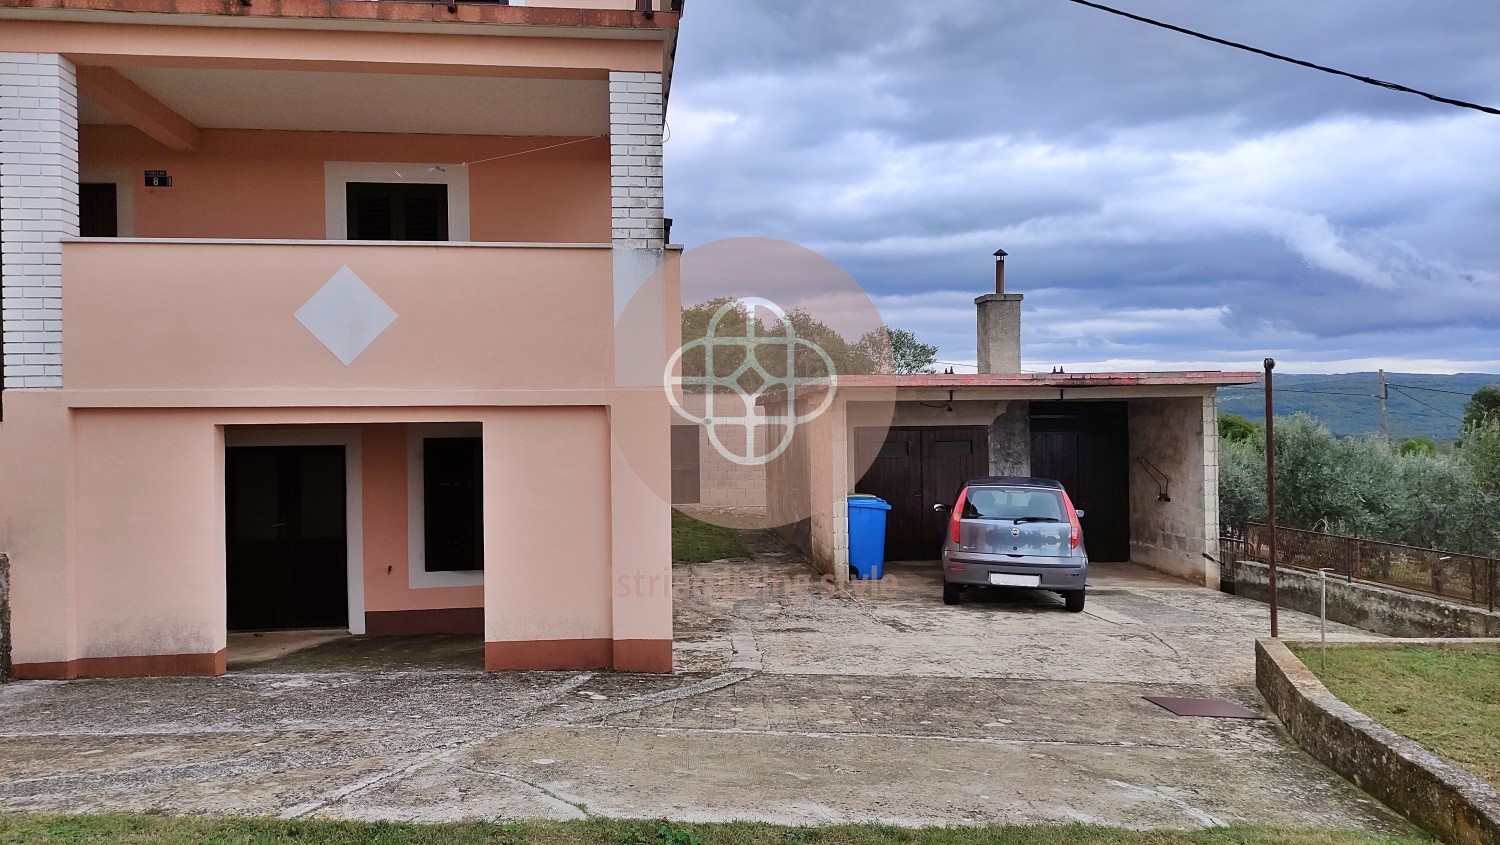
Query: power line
x=1431, y=389
x=1281, y=390
x=1268, y=54
x=1425, y=405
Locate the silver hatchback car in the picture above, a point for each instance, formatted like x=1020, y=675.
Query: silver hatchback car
x=1015, y=532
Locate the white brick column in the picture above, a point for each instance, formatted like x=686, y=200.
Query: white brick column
x=38, y=208
x=636, y=118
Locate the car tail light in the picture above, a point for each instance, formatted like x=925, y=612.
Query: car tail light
x=1077, y=533
x=958, y=512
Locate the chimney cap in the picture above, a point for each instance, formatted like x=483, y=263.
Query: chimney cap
x=1000, y=253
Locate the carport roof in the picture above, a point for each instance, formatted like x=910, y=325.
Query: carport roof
x=1199, y=378
x=892, y=386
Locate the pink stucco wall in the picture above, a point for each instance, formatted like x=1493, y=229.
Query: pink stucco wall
x=220, y=316
x=262, y=184
x=124, y=554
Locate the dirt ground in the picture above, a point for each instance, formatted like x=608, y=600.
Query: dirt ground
x=794, y=702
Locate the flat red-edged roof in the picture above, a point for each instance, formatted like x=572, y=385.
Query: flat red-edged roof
x=372, y=10
x=1200, y=378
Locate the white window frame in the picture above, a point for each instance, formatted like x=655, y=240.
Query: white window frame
x=338, y=174
x=418, y=578
x=124, y=195
x=354, y=530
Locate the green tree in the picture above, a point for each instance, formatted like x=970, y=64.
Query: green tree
x=1236, y=427
x=898, y=351
x=1484, y=405
x=1419, y=446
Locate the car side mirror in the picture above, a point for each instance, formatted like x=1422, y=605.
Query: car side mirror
x=1080, y=514
x=941, y=508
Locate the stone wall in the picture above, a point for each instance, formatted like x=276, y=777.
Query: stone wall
x=4, y=618
x=1434, y=794
x=1174, y=526
x=1379, y=609
x=1010, y=440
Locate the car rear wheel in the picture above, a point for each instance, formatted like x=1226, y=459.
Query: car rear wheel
x=950, y=593
x=1074, y=600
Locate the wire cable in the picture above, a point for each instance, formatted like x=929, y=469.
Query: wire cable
x=1427, y=406
x=1392, y=86
x=1430, y=389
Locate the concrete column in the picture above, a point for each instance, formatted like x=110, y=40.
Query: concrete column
x=999, y=332
x=38, y=207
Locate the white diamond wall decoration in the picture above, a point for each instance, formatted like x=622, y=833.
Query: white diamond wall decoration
x=345, y=315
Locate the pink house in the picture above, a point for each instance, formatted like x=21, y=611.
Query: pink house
x=315, y=315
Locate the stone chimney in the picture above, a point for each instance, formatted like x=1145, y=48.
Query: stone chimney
x=999, y=326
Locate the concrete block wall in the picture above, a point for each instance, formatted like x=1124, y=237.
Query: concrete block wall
x=637, y=114
x=726, y=484
x=1173, y=536
x=38, y=208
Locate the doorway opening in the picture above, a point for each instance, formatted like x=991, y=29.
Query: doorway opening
x=286, y=537
x=1086, y=446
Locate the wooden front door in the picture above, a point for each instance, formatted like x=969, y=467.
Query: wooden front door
x=914, y=469
x=286, y=543
x=1086, y=446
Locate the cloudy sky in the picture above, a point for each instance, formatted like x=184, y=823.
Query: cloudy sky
x=1167, y=202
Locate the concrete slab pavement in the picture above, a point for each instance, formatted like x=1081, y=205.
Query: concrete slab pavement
x=795, y=702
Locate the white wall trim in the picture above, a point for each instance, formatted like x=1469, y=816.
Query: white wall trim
x=418, y=578
x=124, y=197
x=353, y=492
x=338, y=174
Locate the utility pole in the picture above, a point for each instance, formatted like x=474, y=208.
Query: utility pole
x=1385, y=419
x=1271, y=486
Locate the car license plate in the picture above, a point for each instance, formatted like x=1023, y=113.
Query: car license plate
x=1000, y=579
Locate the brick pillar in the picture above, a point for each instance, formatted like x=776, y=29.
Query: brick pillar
x=640, y=422
x=38, y=207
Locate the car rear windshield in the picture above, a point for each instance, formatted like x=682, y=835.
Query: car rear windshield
x=1014, y=503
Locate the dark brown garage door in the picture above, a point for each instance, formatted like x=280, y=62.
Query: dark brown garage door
x=1086, y=446
x=914, y=469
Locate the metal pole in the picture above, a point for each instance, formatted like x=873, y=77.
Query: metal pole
x=1271, y=486
x=1385, y=420
x=1323, y=621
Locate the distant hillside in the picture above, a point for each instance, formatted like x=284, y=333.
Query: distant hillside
x=1349, y=404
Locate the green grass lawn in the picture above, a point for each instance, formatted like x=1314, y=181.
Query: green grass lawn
x=699, y=542
x=163, y=830
x=1448, y=699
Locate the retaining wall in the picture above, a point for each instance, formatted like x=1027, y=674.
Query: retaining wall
x=1395, y=613
x=1434, y=794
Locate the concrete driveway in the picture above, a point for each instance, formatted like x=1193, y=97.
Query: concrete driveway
x=794, y=703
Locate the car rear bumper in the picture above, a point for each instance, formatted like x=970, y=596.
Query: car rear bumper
x=1055, y=573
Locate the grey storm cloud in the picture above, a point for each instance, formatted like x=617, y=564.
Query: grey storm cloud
x=1166, y=201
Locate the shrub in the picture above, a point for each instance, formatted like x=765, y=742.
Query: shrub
x=1363, y=487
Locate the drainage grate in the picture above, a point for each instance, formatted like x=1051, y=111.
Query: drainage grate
x=1213, y=708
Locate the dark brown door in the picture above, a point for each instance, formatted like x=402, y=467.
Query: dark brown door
x=686, y=466
x=914, y=469
x=286, y=538
x=950, y=457
x=1086, y=446
x=895, y=475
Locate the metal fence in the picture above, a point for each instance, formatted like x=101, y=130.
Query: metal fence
x=1468, y=579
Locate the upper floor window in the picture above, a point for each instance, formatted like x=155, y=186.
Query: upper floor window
x=396, y=201
x=397, y=211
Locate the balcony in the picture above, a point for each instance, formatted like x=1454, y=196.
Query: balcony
x=223, y=317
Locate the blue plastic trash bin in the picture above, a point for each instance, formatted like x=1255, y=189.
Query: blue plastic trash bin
x=867, y=537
